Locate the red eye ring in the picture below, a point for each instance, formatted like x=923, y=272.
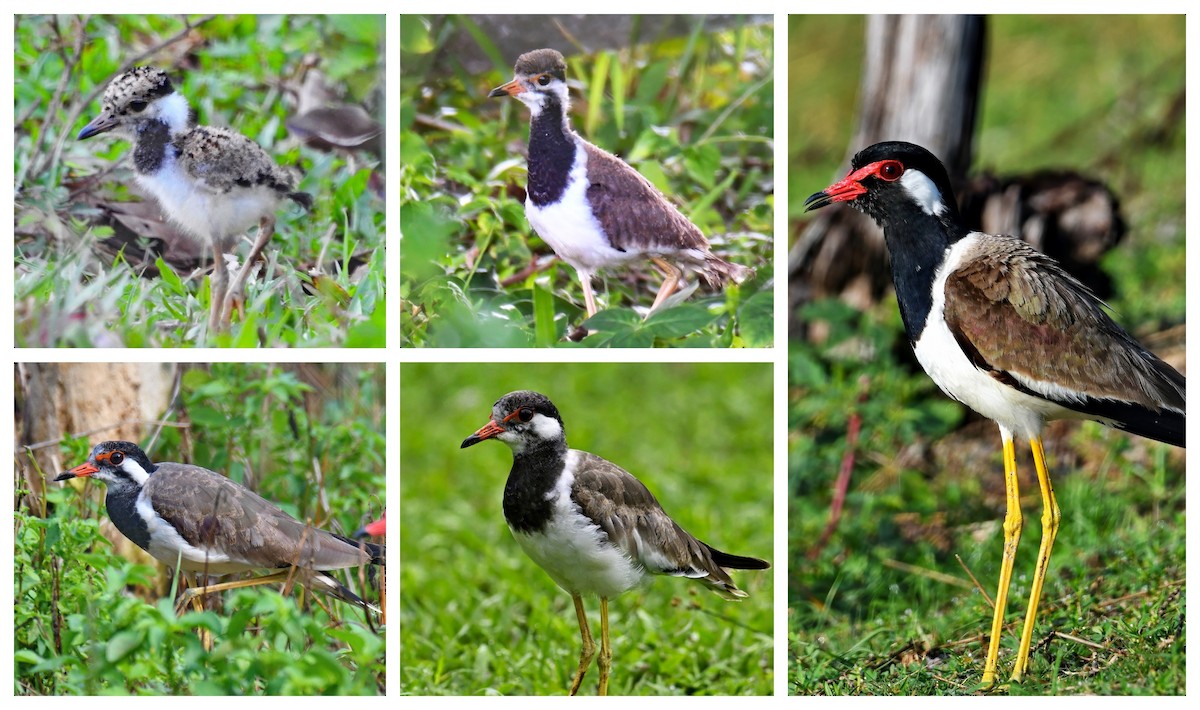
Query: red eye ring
x=890, y=170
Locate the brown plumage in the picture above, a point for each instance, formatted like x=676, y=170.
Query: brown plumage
x=1007, y=292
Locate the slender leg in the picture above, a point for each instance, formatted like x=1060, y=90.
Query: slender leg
x=605, y=660
x=1050, y=519
x=266, y=228
x=674, y=277
x=1012, y=537
x=589, y=646
x=194, y=592
x=589, y=300
x=217, y=286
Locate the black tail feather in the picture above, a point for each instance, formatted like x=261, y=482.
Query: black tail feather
x=728, y=561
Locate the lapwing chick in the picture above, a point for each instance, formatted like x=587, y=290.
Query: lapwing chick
x=212, y=182
x=592, y=526
x=195, y=519
x=1005, y=330
x=591, y=207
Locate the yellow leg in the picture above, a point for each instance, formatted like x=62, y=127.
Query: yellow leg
x=194, y=592
x=1012, y=537
x=589, y=646
x=673, y=277
x=589, y=300
x=1050, y=520
x=605, y=661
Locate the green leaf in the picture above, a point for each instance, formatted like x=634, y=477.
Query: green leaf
x=545, y=330
x=121, y=644
x=756, y=320
x=169, y=277
x=679, y=321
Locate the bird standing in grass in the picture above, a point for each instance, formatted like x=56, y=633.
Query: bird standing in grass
x=592, y=526
x=1003, y=329
x=591, y=207
x=212, y=182
x=195, y=519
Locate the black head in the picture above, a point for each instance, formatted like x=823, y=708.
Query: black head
x=888, y=179
x=539, y=76
x=523, y=420
x=115, y=463
x=139, y=95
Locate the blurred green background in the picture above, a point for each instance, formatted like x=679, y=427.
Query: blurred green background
x=694, y=114
x=88, y=621
x=479, y=617
x=885, y=607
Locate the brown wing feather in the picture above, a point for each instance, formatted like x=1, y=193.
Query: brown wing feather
x=635, y=522
x=633, y=213
x=1015, y=311
x=210, y=510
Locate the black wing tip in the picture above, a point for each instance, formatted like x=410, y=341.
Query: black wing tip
x=728, y=561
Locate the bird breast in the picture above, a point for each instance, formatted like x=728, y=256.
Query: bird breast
x=202, y=212
x=569, y=226
x=574, y=550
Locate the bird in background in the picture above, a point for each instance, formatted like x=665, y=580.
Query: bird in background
x=214, y=183
x=593, y=527
x=1005, y=330
x=592, y=208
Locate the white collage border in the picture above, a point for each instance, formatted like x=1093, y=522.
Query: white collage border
x=393, y=355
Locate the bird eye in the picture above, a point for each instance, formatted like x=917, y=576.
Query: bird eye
x=543, y=80
x=891, y=170
x=115, y=458
x=525, y=414
x=138, y=106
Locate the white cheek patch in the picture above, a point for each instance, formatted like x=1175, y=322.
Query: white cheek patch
x=135, y=471
x=173, y=110
x=926, y=194
x=545, y=427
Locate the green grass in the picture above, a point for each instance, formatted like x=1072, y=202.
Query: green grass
x=886, y=608
x=71, y=293
x=871, y=613
x=89, y=621
x=479, y=617
x=694, y=114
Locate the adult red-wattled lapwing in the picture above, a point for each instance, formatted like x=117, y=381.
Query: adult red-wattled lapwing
x=591, y=525
x=197, y=520
x=1003, y=329
x=213, y=182
x=592, y=208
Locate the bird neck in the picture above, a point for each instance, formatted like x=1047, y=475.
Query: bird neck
x=918, y=243
x=175, y=112
x=121, y=504
x=535, y=473
x=551, y=152
x=153, y=146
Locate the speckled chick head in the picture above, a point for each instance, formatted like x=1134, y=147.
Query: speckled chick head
x=137, y=97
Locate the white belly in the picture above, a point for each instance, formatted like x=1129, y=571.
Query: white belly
x=206, y=215
x=569, y=227
x=575, y=552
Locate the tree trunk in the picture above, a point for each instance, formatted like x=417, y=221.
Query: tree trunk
x=921, y=84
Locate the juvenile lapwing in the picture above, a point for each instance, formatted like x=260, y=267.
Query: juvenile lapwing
x=1003, y=329
x=213, y=182
x=192, y=518
x=592, y=208
x=592, y=526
